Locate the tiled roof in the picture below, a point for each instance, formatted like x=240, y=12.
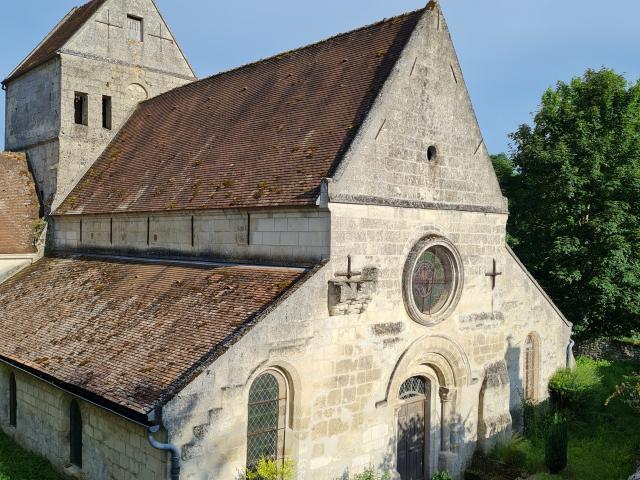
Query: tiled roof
x=19, y=205
x=262, y=135
x=127, y=334
x=61, y=34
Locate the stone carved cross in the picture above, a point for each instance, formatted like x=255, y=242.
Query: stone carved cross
x=108, y=24
x=494, y=275
x=161, y=37
x=349, y=273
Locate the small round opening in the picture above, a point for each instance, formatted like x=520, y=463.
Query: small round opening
x=432, y=151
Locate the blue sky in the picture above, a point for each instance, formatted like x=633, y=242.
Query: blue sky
x=510, y=50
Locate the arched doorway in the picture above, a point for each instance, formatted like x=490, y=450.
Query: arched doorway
x=447, y=371
x=413, y=427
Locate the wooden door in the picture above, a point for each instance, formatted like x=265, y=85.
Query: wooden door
x=411, y=440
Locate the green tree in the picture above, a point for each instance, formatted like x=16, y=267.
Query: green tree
x=574, y=196
x=505, y=170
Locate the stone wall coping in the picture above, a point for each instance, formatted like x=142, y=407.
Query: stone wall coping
x=195, y=212
x=399, y=203
x=537, y=285
x=22, y=256
x=98, y=58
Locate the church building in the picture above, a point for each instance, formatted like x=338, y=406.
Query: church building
x=302, y=259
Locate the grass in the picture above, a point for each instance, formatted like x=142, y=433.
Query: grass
x=604, y=441
x=18, y=464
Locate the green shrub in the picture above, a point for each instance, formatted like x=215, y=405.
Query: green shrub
x=628, y=391
x=271, y=470
x=556, y=446
x=370, y=474
x=442, y=476
x=511, y=450
x=573, y=389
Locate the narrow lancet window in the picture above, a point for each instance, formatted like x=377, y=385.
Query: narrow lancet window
x=531, y=356
x=81, y=108
x=75, y=434
x=106, y=112
x=13, y=401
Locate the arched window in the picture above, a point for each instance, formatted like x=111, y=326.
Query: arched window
x=531, y=356
x=13, y=401
x=267, y=418
x=413, y=388
x=75, y=434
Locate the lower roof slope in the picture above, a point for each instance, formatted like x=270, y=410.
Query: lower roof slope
x=19, y=205
x=262, y=135
x=129, y=334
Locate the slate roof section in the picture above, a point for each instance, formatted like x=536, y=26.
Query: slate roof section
x=263, y=135
x=19, y=205
x=126, y=333
x=60, y=35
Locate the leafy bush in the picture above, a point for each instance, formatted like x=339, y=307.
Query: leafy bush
x=370, y=474
x=442, y=476
x=628, y=391
x=267, y=469
x=556, y=446
x=573, y=389
x=511, y=450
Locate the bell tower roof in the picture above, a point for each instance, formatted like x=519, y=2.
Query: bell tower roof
x=56, y=39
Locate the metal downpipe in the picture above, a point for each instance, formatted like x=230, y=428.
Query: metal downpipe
x=571, y=361
x=167, y=447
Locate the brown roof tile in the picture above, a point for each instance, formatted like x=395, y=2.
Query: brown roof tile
x=129, y=333
x=61, y=34
x=262, y=135
x=19, y=205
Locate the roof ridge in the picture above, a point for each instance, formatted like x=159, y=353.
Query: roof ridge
x=286, y=53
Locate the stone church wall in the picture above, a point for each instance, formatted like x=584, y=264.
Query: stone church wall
x=272, y=236
x=345, y=370
x=106, y=37
x=113, y=448
x=33, y=107
x=33, y=121
x=421, y=141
